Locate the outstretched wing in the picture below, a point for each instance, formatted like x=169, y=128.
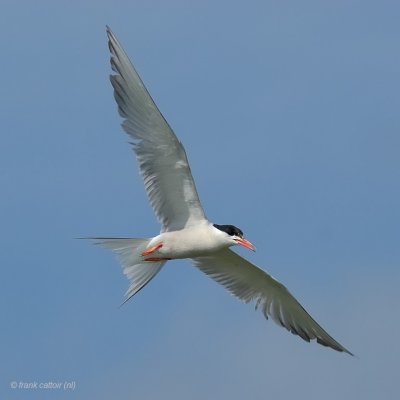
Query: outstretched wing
x=250, y=283
x=162, y=159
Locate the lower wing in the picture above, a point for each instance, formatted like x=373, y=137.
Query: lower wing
x=250, y=283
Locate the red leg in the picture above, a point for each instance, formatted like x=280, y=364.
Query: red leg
x=152, y=249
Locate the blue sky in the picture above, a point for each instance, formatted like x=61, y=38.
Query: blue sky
x=290, y=116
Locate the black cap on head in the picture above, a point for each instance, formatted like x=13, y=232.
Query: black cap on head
x=231, y=230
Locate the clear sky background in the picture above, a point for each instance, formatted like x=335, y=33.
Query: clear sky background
x=289, y=112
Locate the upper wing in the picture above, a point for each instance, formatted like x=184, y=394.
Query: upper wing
x=162, y=158
x=248, y=282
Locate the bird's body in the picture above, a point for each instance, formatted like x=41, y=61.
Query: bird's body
x=195, y=241
x=185, y=230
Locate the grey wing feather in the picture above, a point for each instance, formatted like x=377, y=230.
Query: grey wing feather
x=162, y=159
x=250, y=283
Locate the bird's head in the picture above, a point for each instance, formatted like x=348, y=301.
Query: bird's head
x=234, y=235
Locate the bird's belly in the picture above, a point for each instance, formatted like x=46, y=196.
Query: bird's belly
x=188, y=248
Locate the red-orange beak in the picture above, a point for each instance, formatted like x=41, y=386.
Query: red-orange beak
x=246, y=243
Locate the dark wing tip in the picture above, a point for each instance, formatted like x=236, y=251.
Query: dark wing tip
x=339, y=348
x=109, y=32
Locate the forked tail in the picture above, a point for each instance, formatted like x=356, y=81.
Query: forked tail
x=138, y=271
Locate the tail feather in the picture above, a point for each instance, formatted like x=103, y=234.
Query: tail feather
x=129, y=251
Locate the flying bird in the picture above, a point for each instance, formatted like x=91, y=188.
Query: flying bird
x=185, y=230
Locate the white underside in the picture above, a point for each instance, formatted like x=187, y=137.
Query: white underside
x=197, y=241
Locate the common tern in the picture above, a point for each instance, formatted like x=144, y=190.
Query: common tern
x=185, y=230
